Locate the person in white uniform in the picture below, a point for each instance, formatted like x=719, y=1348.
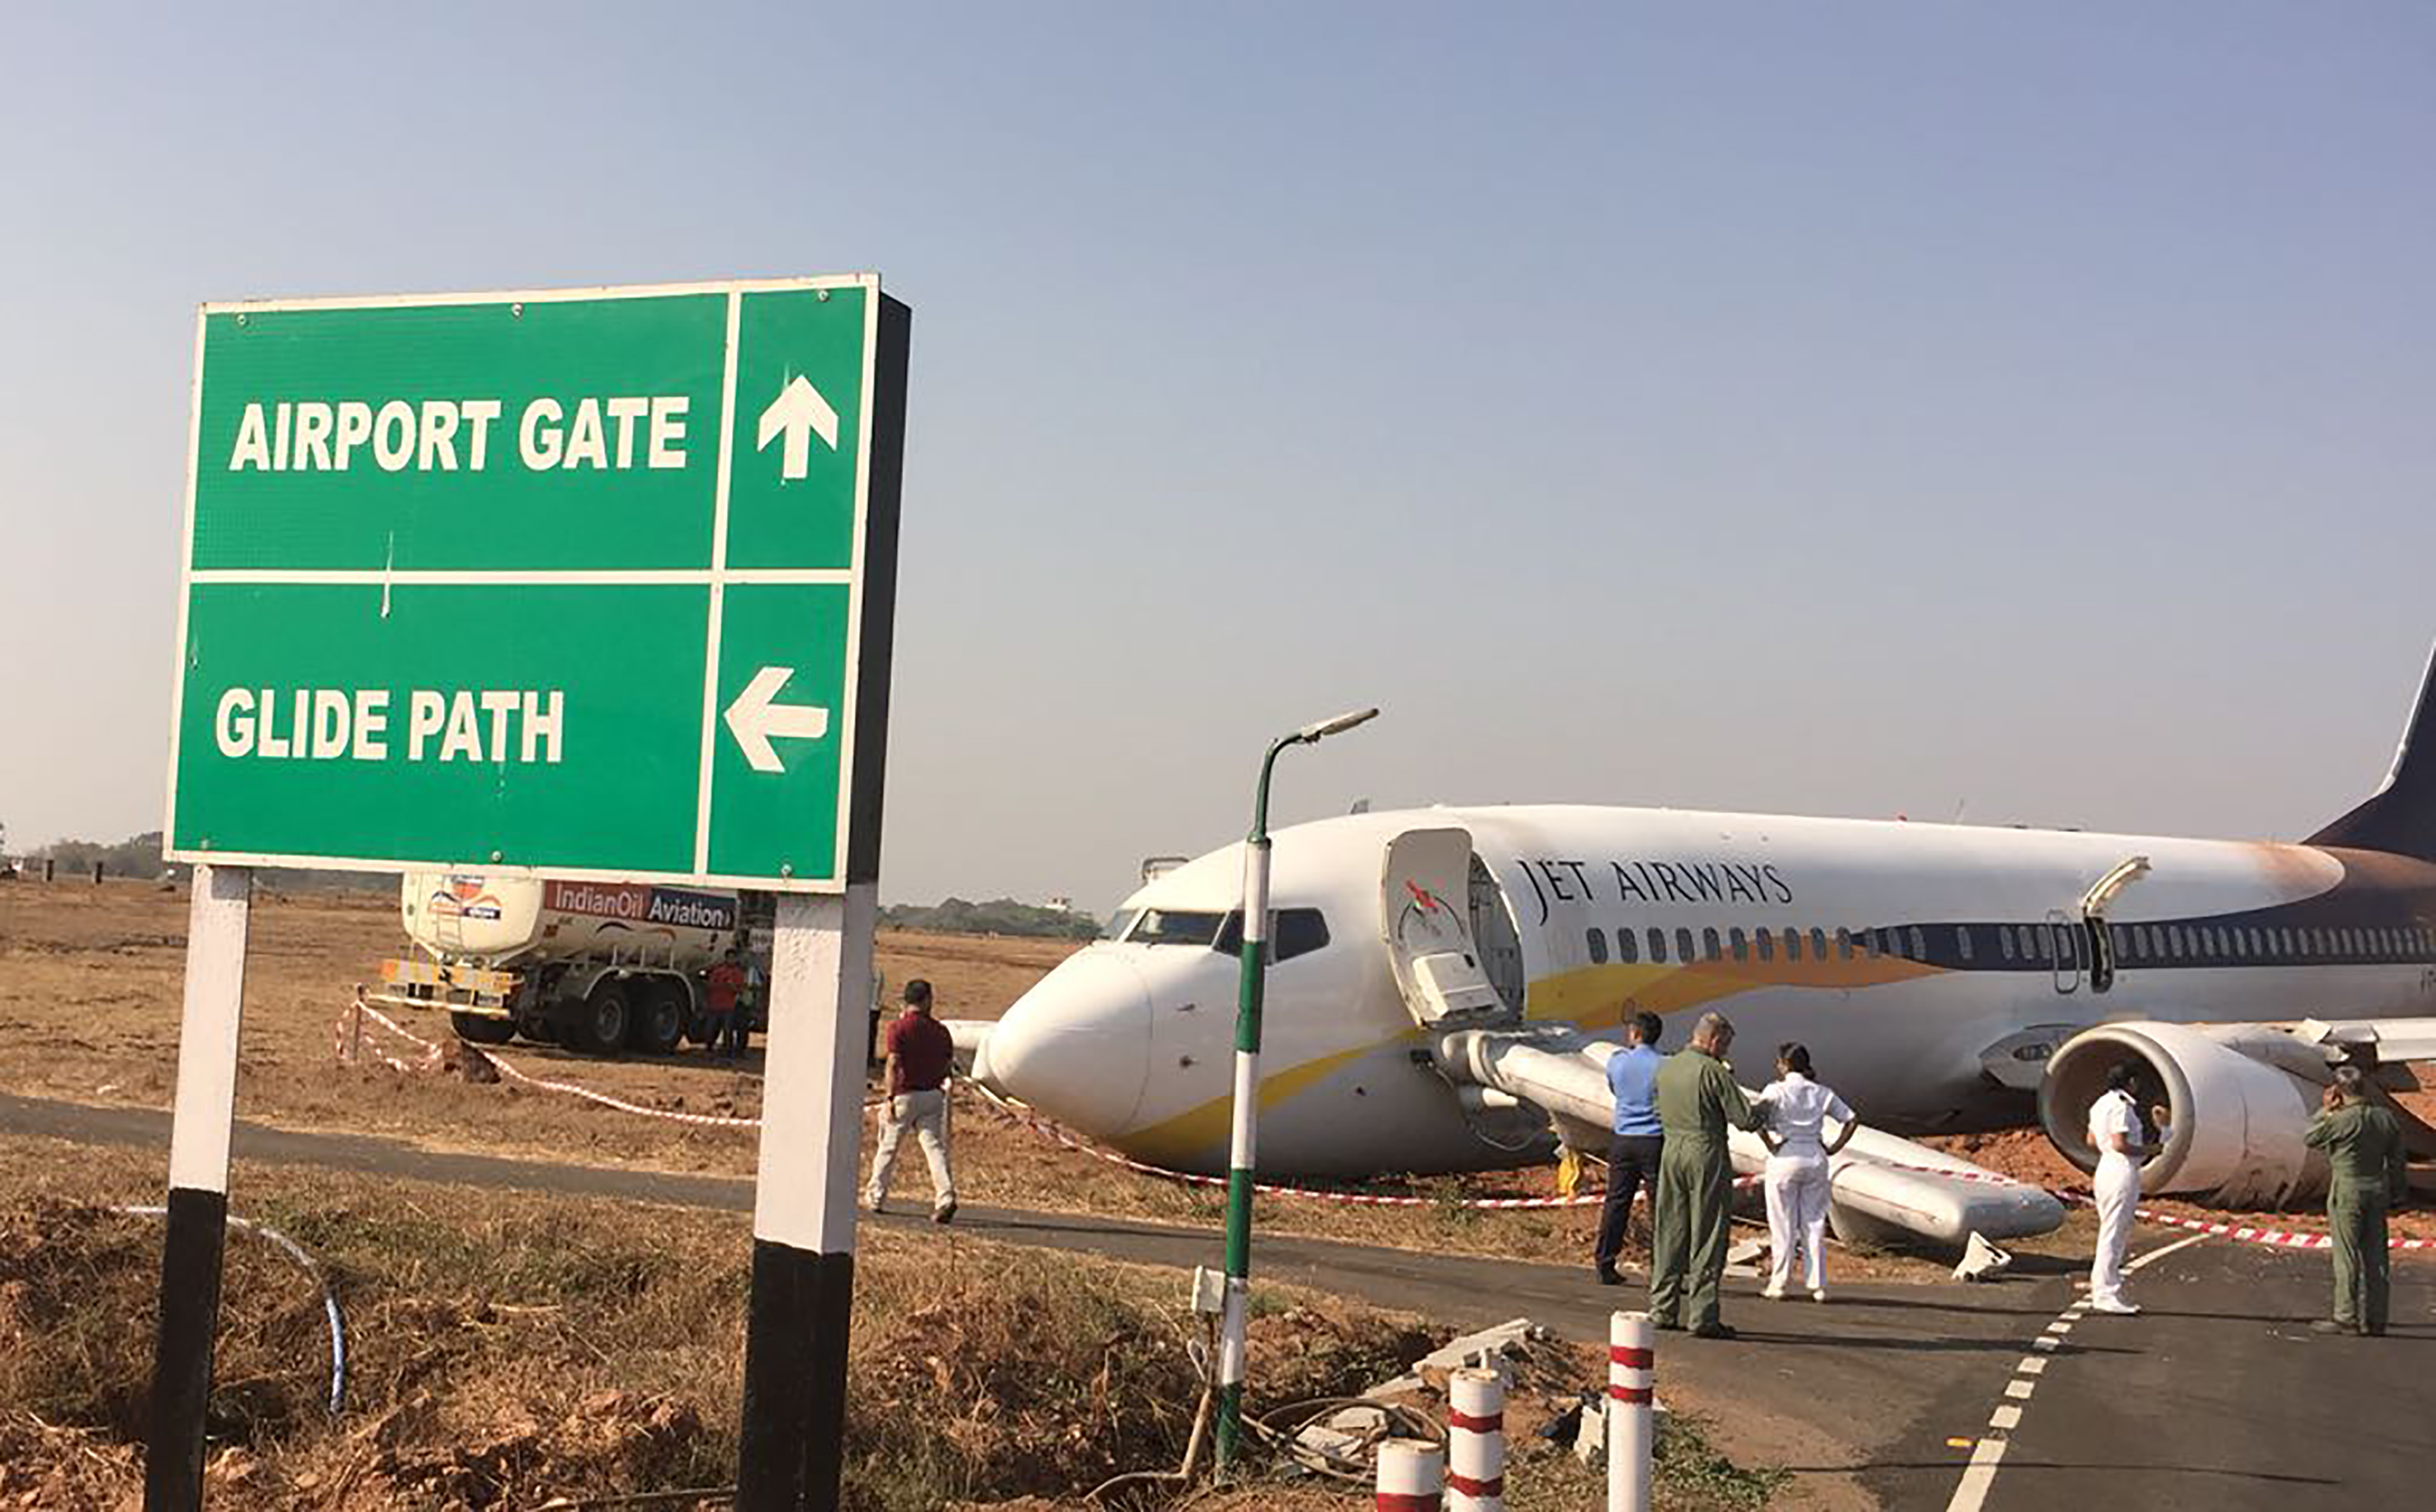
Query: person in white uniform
x=1798, y=1108
x=2115, y=1134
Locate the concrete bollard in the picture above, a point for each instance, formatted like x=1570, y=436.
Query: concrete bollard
x=1412, y=1475
x=1632, y=1389
x=1476, y=1441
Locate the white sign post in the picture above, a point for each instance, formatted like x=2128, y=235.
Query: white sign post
x=201, y=1124
x=804, y=1203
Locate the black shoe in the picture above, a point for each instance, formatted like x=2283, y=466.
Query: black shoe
x=2330, y=1326
x=1715, y=1331
x=943, y=1213
x=1666, y=1325
x=2371, y=1333
x=1610, y=1276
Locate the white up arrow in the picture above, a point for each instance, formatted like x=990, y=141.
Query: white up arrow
x=752, y=718
x=797, y=413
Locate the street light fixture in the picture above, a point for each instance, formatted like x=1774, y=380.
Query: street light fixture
x=1247, y=1086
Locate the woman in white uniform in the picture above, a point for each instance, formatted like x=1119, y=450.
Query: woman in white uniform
x=1797, y=1109
x=2115, y=1134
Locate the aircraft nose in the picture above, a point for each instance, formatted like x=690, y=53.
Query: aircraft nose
x=1077, y=1046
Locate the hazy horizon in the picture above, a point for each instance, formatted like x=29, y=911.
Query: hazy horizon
x=1869, y=411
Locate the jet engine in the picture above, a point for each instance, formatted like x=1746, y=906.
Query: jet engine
x=2236, y=1100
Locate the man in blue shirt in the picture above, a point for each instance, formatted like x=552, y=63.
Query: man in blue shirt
x=1632, y=1151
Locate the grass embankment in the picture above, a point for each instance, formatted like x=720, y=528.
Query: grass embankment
x=508, y=1349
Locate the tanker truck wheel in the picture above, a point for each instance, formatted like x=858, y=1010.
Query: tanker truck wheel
x=660, y=1028
x=601, y=1023
x=482, y=1029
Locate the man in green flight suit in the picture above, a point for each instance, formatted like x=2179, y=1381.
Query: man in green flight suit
x=1696, y=1098
x=2363, y=1144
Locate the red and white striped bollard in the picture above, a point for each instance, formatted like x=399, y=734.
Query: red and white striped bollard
x=1632, y=1389
x=1476, y=1441
x=1412, y=1475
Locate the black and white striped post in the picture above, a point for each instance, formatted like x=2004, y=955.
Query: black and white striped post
x=1243, y=1148
x=804, y=1204
x=216, y=920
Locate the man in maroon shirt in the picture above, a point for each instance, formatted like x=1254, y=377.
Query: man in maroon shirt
x=919, y=1055
x=720, y=990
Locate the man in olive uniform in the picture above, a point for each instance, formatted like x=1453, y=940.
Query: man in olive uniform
x=2363, y=1144
x=1696, y=1098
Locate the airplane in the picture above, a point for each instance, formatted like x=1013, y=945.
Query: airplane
x=1444, y=983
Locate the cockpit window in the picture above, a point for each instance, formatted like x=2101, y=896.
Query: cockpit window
x=1176, y=927
x=1119, y=923
x=1292, y=932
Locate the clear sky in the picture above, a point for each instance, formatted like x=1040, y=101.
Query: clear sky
x=1854, y=409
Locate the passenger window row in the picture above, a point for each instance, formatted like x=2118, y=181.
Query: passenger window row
x=1791, y=943
x=2062, y=947
x=2167, y=943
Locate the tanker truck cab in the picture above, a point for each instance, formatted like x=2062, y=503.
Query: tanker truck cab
x=598, y=966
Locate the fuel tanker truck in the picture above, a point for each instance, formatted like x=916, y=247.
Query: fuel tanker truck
x=595, y=967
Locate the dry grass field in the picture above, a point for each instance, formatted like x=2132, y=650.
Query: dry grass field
x=505, y=1349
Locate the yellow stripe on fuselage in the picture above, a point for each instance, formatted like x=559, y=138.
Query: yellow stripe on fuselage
x=1203, y=1127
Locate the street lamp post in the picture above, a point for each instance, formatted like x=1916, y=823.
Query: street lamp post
x=1247, y=1086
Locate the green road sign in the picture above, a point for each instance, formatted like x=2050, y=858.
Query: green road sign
x=596, y=582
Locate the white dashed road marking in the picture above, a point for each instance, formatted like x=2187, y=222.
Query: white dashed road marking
x=1979, y=1476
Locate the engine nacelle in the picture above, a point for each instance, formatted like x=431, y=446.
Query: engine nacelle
x=2233, y=1124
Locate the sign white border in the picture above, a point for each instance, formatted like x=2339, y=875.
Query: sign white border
x=717, y=576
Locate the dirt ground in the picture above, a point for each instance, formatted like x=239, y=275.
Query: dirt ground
x=89, y=1000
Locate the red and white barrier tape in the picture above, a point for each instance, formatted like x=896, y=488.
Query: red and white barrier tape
x=433, y=1054
x=428, y=1060
x=714, y=1120
x=2249, y=1233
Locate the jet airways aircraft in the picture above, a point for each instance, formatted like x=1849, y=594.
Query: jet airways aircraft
x=1946, y=977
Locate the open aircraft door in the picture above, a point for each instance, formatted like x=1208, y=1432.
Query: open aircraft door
x=1424, y=912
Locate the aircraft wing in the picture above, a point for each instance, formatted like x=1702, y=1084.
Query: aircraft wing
x=971, y=1039
x=2396, y=1039
x=1880, y=1185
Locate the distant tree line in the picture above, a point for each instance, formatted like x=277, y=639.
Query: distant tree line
x=139, y=857
x=1000, y=916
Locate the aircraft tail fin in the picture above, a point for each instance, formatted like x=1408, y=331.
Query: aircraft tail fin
x=2400, y=816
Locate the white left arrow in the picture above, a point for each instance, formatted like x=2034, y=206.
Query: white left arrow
x=798, y=414
x=752, y=718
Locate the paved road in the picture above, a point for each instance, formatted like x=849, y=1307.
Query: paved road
x=2218, y=1397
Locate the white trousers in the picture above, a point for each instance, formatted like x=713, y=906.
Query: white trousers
x=2118, y=1188
x=1797, y=1219
x=925, y=1114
